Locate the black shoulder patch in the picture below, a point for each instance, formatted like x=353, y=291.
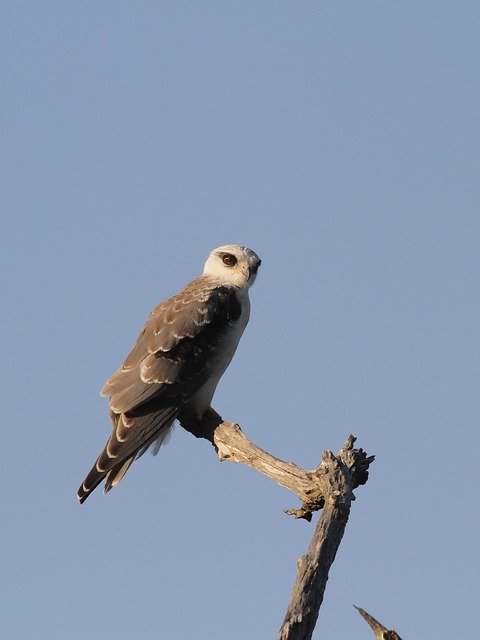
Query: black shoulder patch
x=228, y=299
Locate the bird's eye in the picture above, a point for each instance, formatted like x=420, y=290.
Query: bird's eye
x=229, y=260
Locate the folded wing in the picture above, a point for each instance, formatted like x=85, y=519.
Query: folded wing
x=171, y=359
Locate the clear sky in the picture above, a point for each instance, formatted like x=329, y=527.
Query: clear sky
x=341, y=142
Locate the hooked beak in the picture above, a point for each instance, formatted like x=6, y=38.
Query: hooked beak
x=252, y=271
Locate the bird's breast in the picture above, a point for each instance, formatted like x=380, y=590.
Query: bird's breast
x=221, y=357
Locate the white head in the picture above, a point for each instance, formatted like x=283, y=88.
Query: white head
x=233, y=265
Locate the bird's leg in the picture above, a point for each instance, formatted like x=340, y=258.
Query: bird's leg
x=202, y=426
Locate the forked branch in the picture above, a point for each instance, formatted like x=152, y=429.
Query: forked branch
x=311, y=486
x=328, y=487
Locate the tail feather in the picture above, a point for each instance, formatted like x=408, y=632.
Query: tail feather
x=130, y=438
x=114, y=476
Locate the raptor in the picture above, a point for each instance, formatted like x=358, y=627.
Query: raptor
x=176, y=363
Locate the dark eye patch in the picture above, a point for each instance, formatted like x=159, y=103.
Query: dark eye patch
x=229, y=260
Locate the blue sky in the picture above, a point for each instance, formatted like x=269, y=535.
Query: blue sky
x=338, y=140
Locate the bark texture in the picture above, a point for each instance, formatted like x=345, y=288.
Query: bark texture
x=340, y=475
x=380, y=632
x=328, y=487
x=312, y=486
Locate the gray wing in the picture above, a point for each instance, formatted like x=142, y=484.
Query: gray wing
x=170, y=361
x=172, y=349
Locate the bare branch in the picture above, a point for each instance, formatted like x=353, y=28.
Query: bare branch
x=329, y=486
x=311, y=486
x=381, y=632
x=313, y=568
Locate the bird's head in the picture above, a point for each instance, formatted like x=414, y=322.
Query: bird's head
x=233, y=265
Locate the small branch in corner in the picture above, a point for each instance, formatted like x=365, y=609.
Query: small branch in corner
x=380, y=632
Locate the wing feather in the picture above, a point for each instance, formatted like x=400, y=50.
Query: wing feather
x=128, y=441
x=170, y=361
x=167, y=342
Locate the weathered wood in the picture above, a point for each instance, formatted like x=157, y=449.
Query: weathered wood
x=381, y=632
x=313, y=568
x=329, y=486
x=311, y=486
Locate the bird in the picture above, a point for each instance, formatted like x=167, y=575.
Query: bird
x=174, y=367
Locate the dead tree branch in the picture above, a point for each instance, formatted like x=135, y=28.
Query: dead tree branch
x=328, y=487
x=381, y=632
x=311, y=486
x=341, y=473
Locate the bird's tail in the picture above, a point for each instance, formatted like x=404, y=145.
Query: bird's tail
x=130, y=438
